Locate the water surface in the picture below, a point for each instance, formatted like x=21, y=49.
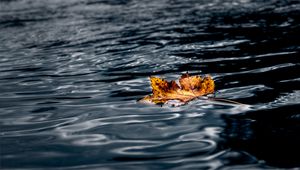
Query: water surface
x=72, y=71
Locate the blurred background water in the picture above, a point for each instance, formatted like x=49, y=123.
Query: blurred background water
x=71, y=73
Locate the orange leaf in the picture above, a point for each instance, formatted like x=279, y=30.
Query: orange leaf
x=189, y=88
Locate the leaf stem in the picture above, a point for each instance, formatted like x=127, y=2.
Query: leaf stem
x=226, y=100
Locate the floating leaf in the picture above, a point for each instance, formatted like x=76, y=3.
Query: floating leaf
x=189, y=88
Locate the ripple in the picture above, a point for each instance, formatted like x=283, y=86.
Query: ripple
x=31, y=128
x=72, y=132
x=287, y=99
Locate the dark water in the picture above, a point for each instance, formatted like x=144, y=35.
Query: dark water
x=71, y=72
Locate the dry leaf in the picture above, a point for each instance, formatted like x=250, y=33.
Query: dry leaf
x=189, y=88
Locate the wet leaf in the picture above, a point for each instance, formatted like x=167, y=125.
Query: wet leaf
x=188, y=88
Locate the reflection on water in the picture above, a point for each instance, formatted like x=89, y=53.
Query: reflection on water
x=72, y=71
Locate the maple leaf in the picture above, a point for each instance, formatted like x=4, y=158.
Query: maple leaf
x=189, y=88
